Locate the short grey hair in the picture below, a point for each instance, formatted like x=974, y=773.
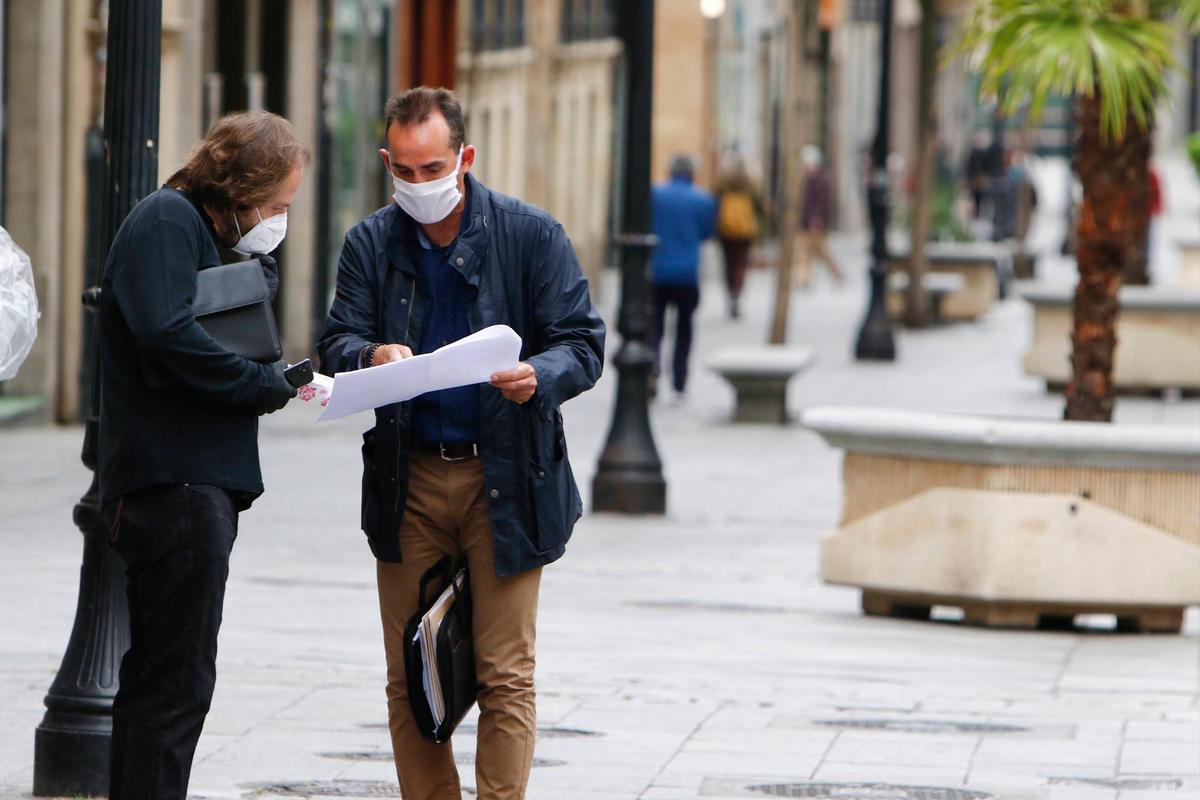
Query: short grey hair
x=682, y=166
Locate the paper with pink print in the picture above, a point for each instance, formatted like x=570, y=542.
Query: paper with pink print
x=318, y=390
x=472, y=359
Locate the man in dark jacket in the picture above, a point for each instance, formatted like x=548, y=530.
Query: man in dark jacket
x=481, y=470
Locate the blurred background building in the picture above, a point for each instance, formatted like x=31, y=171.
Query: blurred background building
x=539, y=80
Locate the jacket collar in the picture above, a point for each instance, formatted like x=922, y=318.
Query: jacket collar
x=470, y=246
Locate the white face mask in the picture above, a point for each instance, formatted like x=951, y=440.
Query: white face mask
x=263, y=237
x=431, y=201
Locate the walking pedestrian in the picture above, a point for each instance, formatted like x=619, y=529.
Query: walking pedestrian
x=481, y=470
x=816, y=210
x=739, y=210
x=178, y=446
x=682, y=217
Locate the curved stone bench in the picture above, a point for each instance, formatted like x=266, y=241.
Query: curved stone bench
x=760, y=376
x=986, y=268
x=1158, y=337
x=1015, y=520
x=1187, y=277
x=937, y=285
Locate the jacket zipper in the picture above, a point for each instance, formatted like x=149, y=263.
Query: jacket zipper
x=407, y=329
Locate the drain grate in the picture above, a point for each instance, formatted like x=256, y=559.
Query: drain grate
x=866, y=791
x=1123, y=784
x=334, y=789
x=461, y=758
x=471, y=730
x=920, y=726
x=362, y=755
x=331, y=789
x=696, y=605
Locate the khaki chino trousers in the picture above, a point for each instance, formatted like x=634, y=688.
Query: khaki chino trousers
x=446, y=514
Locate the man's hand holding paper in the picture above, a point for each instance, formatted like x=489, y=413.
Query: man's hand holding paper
x=488, y=355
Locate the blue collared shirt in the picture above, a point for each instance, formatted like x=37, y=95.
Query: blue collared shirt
x=451, y=415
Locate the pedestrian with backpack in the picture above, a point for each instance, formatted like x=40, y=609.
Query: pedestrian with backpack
x=738, y=212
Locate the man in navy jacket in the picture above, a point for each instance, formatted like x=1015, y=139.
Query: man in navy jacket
x=480, y=470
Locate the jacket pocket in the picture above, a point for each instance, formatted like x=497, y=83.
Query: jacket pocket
x=370, y=507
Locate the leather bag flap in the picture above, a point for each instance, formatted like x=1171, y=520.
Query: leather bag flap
x=229, y=286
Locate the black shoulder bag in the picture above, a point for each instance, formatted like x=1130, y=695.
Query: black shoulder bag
x=233, y=304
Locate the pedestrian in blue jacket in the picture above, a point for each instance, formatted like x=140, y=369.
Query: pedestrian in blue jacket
x=682, y=217
x=481, y=470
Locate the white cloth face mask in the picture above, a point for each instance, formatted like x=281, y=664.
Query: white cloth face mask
x=431, y=201
x=263, y=237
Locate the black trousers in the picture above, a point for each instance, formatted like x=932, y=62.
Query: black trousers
x=685, y=298
x=175, y=541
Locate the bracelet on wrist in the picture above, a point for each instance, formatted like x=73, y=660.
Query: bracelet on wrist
x=368, y=357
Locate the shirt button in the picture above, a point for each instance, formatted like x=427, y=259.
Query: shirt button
x=403, y=301
x=541, y=473
x=494, y=493
x=458, y=261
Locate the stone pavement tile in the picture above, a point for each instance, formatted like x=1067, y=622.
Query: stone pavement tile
x=916, y=749
x=1140, y=731
x=1178, y=757
x=1096, y=751
x=795, y=742
x=690, y=769
x=1079, y=793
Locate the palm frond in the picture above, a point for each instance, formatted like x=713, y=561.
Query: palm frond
x=1026, y=51
x=1189, y=15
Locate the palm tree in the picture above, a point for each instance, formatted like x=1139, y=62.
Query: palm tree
x=1114, y=57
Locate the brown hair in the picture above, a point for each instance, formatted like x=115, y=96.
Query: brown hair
x=241, y=162
x=414, y=106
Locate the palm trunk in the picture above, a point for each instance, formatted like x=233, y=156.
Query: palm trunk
x=1108, y=170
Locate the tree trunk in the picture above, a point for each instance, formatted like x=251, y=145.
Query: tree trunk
x=797, y=108
x=916, y=301
x=1107, y=170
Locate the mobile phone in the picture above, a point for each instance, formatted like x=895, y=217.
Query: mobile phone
x=299, y=374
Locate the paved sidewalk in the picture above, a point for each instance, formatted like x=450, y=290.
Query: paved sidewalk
x=692, y=656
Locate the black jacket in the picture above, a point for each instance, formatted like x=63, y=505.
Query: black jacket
x=523, y=273
x=175, y=407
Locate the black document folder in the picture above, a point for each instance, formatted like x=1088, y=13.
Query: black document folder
x=233, y=304
x=439, y=653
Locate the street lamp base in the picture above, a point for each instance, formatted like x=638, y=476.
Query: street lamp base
x=875, y=343
x=629, y=492
x=71, y=755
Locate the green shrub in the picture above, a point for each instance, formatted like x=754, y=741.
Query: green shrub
x=1193, y=148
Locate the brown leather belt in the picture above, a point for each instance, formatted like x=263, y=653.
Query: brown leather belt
x=452, y=451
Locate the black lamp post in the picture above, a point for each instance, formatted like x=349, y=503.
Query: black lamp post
x=629, y=478
x=72, y=745
x=875, y=341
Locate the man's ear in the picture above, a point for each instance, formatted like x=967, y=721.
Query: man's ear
x=387, y=158
x=468, y=158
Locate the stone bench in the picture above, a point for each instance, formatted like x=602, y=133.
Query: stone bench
x=986, y=268
x=1158, y=338
x=1015, y=521
x=937, y=285
x=760, y=376
x=1187, y=277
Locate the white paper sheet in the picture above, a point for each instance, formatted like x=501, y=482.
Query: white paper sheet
x=472, y=359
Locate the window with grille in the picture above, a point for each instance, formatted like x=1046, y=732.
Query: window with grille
x=497, y=24
x=587, y=19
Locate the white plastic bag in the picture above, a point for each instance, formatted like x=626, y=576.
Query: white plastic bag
x=18, y=306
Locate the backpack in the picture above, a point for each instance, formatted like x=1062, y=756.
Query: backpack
x=735, y=216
